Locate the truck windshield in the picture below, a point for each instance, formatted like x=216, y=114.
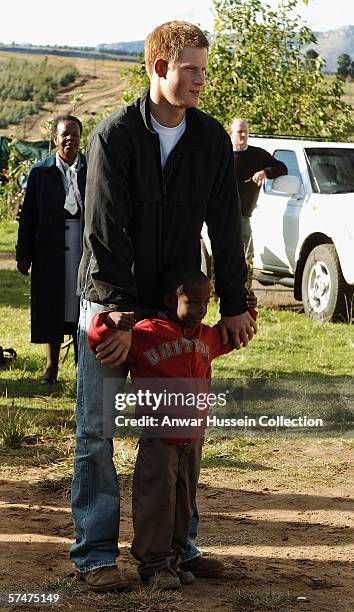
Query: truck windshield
x=331, y=170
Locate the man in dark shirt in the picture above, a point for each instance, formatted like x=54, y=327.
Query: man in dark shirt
x=252, y=166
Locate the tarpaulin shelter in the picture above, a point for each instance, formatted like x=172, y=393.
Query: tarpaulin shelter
x=26, y=150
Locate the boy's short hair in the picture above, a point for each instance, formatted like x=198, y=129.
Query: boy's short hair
x=181, y=281
x=168, y=40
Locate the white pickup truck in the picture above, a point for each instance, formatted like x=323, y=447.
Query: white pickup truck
x=303, y=225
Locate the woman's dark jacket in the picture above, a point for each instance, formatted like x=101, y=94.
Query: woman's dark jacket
x=41, y=241
x=141, y=222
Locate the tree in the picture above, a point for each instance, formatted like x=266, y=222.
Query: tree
x=311, y=57
x=138, y=80
x=257, y=70
x=344, y=65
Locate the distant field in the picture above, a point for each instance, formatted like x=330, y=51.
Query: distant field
x=99, y=82
x=25, y=86
x=349, y=92
x=348, y=95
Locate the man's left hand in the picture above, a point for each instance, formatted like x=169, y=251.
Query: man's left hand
x=259, y=178
x=241, y=328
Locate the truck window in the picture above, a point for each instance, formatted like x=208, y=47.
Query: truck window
x=331, y=169
x=290, y=160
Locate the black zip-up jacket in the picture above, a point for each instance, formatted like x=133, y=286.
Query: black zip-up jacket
x=141, y=221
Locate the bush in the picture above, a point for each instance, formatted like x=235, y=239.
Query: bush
x=11, y=194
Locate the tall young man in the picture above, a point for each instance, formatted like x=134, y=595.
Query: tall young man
x=157, y=170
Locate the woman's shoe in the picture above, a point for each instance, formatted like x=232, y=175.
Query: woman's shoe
x=49, y=378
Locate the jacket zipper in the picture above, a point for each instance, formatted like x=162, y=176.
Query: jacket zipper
x=164, y=190
x=166, y=172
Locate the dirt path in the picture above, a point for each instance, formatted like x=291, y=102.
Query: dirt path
x=288, y=531
x=276, y=296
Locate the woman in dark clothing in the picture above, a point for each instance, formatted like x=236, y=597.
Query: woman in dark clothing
x=50, y=240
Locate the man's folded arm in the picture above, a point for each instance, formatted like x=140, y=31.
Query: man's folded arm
x=273, y=167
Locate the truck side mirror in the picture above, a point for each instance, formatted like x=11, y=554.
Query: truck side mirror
x=287, y=185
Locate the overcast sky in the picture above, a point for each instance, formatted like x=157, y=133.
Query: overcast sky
x=83, y=22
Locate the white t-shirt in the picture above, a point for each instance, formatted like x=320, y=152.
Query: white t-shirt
x=168, y=137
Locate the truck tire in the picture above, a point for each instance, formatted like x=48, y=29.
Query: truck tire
x=325, y=294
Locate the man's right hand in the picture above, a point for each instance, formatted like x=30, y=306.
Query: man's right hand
x=124, y=321
x=259, y=178
x=241, y=329
x=23, y=266
x=115, y=349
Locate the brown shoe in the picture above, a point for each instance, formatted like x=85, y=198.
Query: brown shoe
x=203, y=567
x=185, y=577
x=104, y=579
x=166, y=580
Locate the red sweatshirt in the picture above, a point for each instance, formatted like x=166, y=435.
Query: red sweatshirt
x=162, y=348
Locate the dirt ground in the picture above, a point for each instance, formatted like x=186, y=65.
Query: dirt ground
x=287, y=531
x=276, y=296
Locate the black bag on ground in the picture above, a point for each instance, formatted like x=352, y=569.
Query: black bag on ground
x=6, y=355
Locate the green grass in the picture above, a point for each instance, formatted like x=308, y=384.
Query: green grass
x=237, y=454
x=8, y=235
x=291, y=359
x=289, y=343
x=287, y=346
x=16, y=427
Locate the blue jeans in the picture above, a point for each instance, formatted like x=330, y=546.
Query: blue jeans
x=95, y=486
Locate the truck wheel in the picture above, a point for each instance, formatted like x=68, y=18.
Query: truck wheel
x=206, y=266
x=324, y=290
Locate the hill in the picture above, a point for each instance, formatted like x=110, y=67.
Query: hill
x=66, y=51
x=333, y=43
x=134, y=47
x=330, y=44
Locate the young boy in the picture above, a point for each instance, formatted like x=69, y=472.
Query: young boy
x=174, y=344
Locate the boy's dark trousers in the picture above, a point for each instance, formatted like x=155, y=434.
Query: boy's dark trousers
x=164, y=489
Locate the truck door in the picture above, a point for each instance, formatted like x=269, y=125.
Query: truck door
x=275, y=223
